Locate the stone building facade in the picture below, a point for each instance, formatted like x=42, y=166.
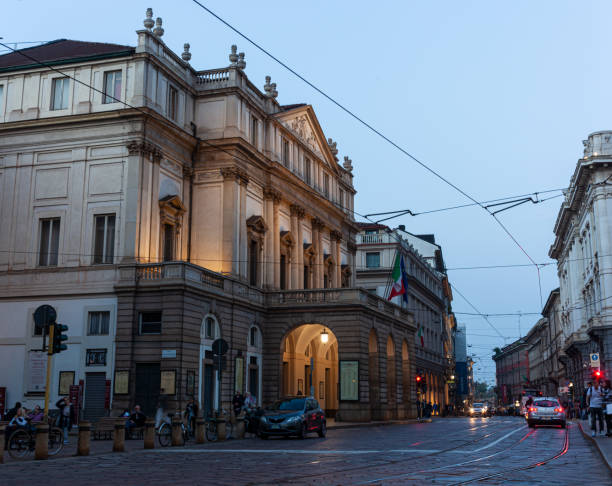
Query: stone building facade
x=429, y=299
x=160, y=208
x=583, y=250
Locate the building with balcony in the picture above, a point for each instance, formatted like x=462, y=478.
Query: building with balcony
x=583, y=250
x=159, y=208
x=429, y=299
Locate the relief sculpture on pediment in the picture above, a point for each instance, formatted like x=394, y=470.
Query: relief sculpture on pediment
x=302, y=129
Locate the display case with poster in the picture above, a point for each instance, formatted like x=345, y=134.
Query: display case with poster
x=349, y=380
x=167, y=384
x=66, y=380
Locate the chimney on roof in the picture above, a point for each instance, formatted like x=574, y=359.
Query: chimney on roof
x=149, y=22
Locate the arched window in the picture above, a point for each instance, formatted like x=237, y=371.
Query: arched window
x=254, y=337
x=210, y=328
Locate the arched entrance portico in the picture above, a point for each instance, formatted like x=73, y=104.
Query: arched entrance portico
x=310, y=365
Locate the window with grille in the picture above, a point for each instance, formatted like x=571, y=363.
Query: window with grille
x=60, y=93
x=104, y=238
x=49, y=242
x=373, y=260
x=112, y=87
x=98, y=324
x=150, y=322
x=172, y=103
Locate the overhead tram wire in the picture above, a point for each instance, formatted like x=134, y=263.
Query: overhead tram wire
x=156, y=116
x=377, y=132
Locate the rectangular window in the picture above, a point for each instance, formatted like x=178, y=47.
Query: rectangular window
x=98, y=323
x=1, y=97
x=253, y=252
x=373, y=260
x=59, y=93
x=104, y=238
x=341, y=198
x=95, y=357
x=308, y=171
x=49, y=242
x=285, y=153
x=168, y=242
x=326, y=185
x=150, y=322
x=254, y=131
x=112, y=87
x=172, y=102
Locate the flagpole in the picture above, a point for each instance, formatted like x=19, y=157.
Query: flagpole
x=390, y=277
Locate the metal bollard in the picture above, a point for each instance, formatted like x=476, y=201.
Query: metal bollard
x=177, y=432
x=119, y=440
x=239, y=428
x=84, y=439
x=42, y=442
x=200, y=431
x=149, y=434
x=2, y=432
x=221, y=429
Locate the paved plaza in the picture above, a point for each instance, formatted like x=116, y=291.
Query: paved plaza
x=494, y=450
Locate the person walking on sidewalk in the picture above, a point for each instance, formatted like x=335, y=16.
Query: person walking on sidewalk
x=65, y=416
x=607, y=406
x=594, y=398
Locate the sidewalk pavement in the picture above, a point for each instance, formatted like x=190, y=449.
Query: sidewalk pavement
x=603, y=444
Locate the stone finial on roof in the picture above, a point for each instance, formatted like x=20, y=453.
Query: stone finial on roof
x=270, y=88
x=241, y=64
x=333, y=146
x=186, y=55
x=149, y=22
x=348, y=164
x=158, y=30
x=233, y=57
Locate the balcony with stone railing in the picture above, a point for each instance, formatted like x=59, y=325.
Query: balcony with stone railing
x=229, y=77
x=155, y=275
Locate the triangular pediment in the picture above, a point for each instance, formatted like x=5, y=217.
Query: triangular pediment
x=303, y=123
x=257, y=224
x=172, y=203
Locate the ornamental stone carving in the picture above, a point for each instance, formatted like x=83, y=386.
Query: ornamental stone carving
x=333, y=146
x=149, y=22
x=186, y=55
x=256, y=224
x=317, y=223
x=270, y=88
x=158, y=31
x=335, y=235
x=140, y=147
x=235, y=173
x=348, y=164
x=301, y=127
x=297, y=211
x=233, y=57
x=273, y=194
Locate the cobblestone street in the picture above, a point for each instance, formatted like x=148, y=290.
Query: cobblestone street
x=448, y=451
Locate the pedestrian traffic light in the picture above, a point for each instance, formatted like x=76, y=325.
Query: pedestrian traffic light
x=418, y=379
x=59, y=337
x=597, y=374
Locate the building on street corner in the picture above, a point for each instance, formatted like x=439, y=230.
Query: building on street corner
x=159, y=208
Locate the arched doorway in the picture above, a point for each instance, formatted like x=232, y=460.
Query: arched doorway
x=208, y=395
x=405, y=377
x=310, y=365
x=391, y=374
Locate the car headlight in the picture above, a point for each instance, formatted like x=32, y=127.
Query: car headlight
x=472, y=409
x=294, y=420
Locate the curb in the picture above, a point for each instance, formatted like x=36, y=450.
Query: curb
x=599, y=449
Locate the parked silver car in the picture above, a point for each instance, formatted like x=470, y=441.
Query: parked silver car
x=545, y=411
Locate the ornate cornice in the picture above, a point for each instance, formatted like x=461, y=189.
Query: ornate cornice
x=273, y=194
x=187, y=171
x=297, y=210
x=140, y=147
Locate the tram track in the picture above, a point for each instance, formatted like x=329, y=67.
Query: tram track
x=383, y=463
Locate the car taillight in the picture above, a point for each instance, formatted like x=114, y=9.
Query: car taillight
x=533, y=409
x=559, y=409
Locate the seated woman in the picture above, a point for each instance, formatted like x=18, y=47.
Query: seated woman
x=36, y=415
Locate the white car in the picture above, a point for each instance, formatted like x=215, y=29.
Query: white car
x=478, y=409
x=545, y=411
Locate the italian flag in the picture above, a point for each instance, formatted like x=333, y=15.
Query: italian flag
x=420, y=334
x=399, y=278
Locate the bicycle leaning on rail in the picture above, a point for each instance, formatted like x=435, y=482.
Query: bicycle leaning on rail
x=211, y=428
x=22, y=441
x=164, y=432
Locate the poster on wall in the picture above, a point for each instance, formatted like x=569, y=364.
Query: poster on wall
x=168, y=382
x=239, y=374
x=37, y=371
x=66, y=380
x=122, y=381
x=349, y=380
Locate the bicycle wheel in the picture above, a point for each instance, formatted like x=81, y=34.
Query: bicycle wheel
x=19, y=444
x=184, y=433
x=211, y=431
x=56, y=441
x=164, y=435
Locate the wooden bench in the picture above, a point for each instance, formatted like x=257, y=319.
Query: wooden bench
x=104, y=428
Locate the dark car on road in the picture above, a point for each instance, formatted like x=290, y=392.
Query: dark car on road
x=297, y=416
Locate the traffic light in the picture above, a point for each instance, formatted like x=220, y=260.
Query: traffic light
x=419, y=378
x=58, y=338
x=597, y=375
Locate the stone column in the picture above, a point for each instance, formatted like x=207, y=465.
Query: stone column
x=320, y=262
x=336, y=237
x=317, y=270
x=296, y=211
x=230, y=252
x=276, y=241
x=269, y=240
x=300, y=250
x=244, y=244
